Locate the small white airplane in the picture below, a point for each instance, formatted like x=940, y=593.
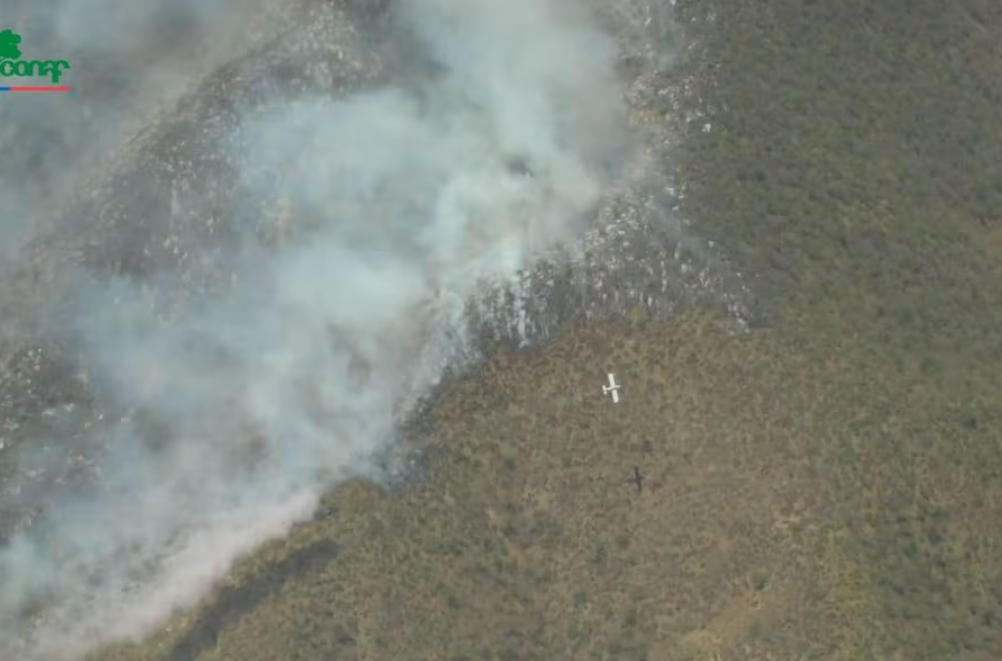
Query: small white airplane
x=612, y=388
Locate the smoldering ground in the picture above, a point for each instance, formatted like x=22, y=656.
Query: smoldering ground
x=233, y=314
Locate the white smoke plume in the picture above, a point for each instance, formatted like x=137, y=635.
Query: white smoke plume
x=360, y=227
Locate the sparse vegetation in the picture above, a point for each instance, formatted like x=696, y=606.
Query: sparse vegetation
x=828, y=486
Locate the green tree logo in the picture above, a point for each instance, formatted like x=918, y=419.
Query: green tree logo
x=9, y=45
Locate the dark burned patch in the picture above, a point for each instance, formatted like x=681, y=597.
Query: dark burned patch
x=35, y=378
x=234, y=603
x=519, y=165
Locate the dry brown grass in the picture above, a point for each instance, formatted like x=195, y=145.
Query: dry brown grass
x=529, y=540
x=827, y=487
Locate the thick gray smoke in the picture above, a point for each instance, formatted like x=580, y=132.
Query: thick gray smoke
x=360, y=227
x=128, y=59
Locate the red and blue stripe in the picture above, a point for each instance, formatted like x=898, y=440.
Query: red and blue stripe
x=28, y=88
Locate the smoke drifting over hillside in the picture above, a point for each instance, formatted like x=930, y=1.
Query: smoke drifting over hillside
x=286, y=276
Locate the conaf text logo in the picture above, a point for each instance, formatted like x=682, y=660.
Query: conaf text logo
x=11, y=64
